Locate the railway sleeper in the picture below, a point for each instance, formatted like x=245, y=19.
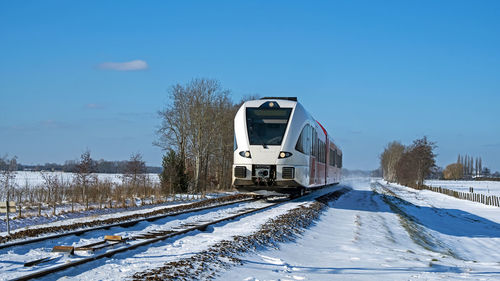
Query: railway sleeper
x=89, y=247
x=39, y=261
x=64, y=249
x=110, y=244
x=189, y=225
x=113, y=238
x=145, y=236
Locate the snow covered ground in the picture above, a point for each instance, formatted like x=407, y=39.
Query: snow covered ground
x=368, y=236
x=124, y=265
x=483, y=187
x=64, y=216
x=11, y=261
x=374, y=232
x=92, y=215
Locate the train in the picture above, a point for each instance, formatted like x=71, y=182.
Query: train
x=279, y=148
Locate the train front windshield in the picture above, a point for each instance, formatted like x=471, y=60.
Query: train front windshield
x=267, y=126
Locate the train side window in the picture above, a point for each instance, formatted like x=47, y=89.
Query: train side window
x=340, y=161
x=235, y=145
x=324, y=152
x=321, y=151
x=304, y=142
x=314, y=143
x=307, y=139
x=300, y=142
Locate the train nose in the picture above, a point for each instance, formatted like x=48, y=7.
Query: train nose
x=264, y=156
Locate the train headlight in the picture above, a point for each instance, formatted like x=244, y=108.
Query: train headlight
x=245, y=154
x=284, y=154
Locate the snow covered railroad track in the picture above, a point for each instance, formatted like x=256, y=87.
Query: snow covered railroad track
x=123, y=221
x=127, y=240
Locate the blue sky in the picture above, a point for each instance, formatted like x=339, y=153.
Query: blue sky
x=370, y=71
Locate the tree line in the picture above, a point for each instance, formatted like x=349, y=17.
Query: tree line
x=197, y=136
x=84, y=190
x=410, y=164
x=469, y=167
x=71, y=166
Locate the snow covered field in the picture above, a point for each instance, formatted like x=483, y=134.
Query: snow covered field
x=35, y=178
x=483, y=187
x=374, y=232
x=368, y=236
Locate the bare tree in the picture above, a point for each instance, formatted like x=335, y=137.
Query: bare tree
x=416, y=163
x=22, y=195
x=40, y=197
x=53, y=187
x=192, y=126
x=135, y=175
x=174, y=130
x=85, y=176
x=453, y=171
x=8, y=168
x=103, y=191
x=389, y=160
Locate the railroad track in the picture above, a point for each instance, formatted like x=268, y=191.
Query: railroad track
x=128, y=223
x=120, y=245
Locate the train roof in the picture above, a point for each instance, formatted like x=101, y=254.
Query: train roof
x=282, y=102
x=280, y=98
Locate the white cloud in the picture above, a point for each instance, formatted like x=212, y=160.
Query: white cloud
x=125, y=66
x=94, y=106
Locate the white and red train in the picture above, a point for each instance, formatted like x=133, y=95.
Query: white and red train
x=280, y=148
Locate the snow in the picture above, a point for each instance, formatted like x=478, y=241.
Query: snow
x=30, y=216
x=121, y=266
x=21, y=254
x=361, y=238
x=35, y=178
x=67, y=217
x=377, y=231
x=483, y=187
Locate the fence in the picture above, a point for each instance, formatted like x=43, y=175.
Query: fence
x=3, y=207
x=475, y=197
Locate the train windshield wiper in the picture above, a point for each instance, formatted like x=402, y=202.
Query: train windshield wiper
x=264, y=145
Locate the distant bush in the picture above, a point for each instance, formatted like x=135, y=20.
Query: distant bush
x=453, y=171
x=408, y=165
